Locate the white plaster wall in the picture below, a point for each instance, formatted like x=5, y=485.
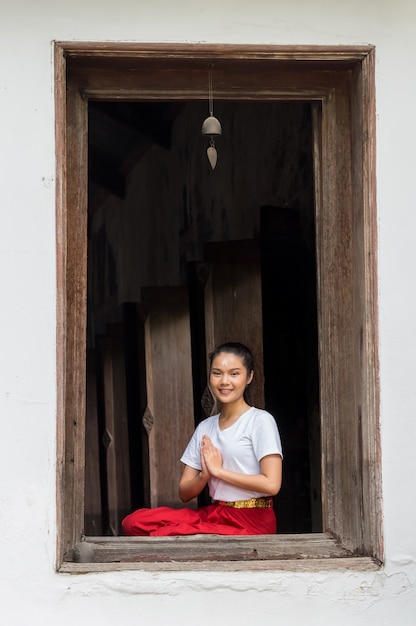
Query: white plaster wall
x=30, y=591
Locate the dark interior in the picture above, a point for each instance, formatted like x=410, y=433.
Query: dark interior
x=156, y=211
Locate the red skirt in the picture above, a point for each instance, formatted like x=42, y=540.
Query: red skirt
x=216, y=519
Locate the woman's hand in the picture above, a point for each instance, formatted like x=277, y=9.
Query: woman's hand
x=204, y=473
x=192, y=480
x=211, y=458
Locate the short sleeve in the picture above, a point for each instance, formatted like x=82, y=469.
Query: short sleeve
x=265, y=436
x=192, y=454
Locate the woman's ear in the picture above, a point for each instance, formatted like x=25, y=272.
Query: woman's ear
x=250, y=377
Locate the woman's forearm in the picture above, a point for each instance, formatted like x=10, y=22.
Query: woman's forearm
x=250, y=482
x=191, y=486
x=268, y=482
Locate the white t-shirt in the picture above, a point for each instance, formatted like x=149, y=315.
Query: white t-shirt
x=253, y=436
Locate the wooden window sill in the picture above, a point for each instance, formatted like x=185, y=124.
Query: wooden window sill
x=306, y=552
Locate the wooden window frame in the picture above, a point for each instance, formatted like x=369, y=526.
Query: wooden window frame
x=339, y=82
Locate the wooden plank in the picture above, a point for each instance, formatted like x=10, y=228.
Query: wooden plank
x=347, y=316
x=93, y=511
x=115, y=436
x=364, y=564
x=233, y=303
x=72, y=158
x=311, y=552
x=169, y=417
x=312, y=565
x=240, y=52
x=208, y=548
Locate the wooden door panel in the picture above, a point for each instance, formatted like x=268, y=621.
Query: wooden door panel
x=169, y=415
x=233, y=302
x=93, y=511
x=115, y=433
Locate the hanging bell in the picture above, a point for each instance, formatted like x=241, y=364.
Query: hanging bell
x=211, y=126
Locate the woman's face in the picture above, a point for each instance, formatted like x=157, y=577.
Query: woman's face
x=228, y=377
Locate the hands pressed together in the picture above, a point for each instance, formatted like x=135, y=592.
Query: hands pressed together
x=268, y=481
x=211, y=458
x=193, y=481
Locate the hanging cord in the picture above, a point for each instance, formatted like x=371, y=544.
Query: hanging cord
x=210, y=96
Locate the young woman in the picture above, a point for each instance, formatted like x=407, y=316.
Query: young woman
x=237, y=452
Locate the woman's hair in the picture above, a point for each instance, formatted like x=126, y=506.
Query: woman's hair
x=239, y=349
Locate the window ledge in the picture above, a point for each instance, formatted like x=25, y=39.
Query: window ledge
x=306, y=552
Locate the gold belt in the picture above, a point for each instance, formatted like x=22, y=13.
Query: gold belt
x=254, y=503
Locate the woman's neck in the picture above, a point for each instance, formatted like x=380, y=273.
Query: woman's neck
x=231, y=412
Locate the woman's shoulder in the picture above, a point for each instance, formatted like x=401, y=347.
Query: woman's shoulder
x=261, y=417
x=260, y=413
x=208, y=422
